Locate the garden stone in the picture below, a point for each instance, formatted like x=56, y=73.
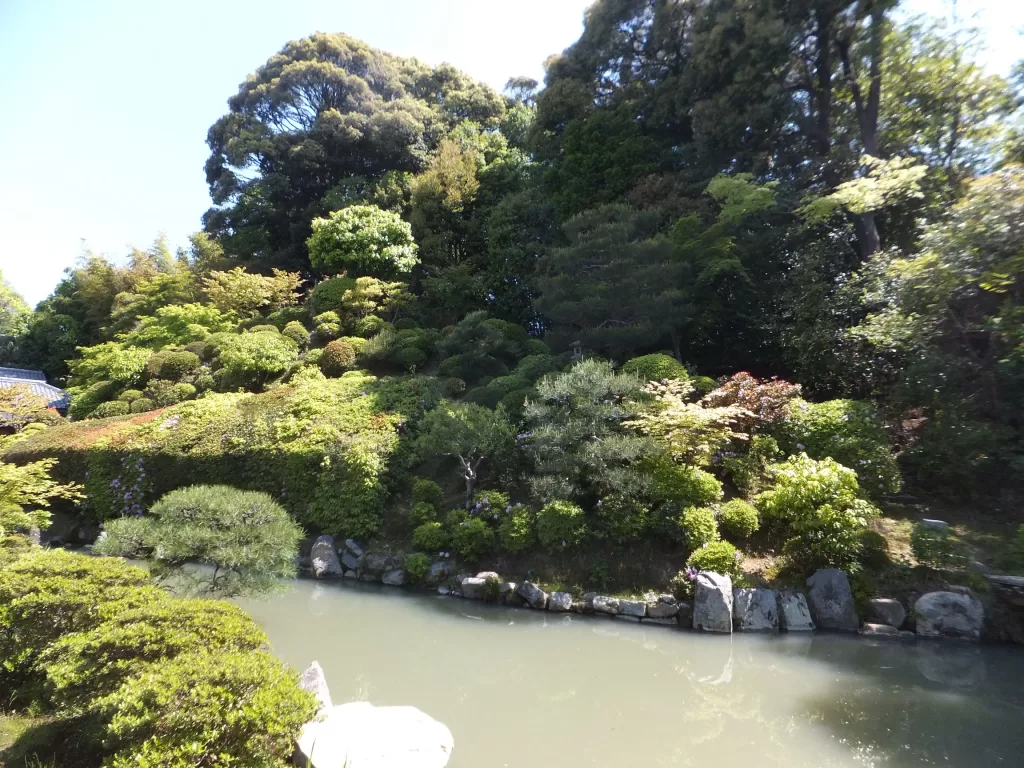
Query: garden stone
x=443, y=590
x=351, y=575
x=794, y=615
x=324, y=558
x=755, y=610
x=660, y=622
x=603, y=604
x=559, y=602
x=662, y=610
x=533, y=595
x=360, y=735
x=355, y=549
x=831, y=600
x=886, y=610
x=439, y=571
x=886, y=631
x=375, y=564
x=934, y=525
x=314, y=681
x=685, y=616
x=507, y=592
x=1007, y=614
x=712, y=602
x=474, y=588
x=949, y=614
x=588, y=601
x=637, y=608
x=395, y=578
x=350, y=561
x=485, y=575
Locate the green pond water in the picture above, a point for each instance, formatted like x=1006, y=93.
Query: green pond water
x=528, y=689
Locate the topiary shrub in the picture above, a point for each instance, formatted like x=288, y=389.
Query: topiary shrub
x=327, y=325
x=532, y=367
x=263, y=328
x=246, y=536
x=417, y=566
x=184, y=391
x=142, y=405
x=176, y=365
x=681, y=484
x=535, y=347
x=421, y=513
x=297, y=332
x=717, y=557
x=698, y=526
x=622, y=518
x=453, y=387
x=338, y=357
x=329, y=295
x=411, y=358
x=655, y=368
x=849, y=431
x=517, y=531
x=704, y=384
x=430, y=537
x=252, y=359
x=472, y=539
x=369, y=326
x=560, y=526
x=204, y=382
x=82, y=666
x=428, y=492
x=738, y=519
x=819, y=503
x=111, y=408
x=129, y=395
x=203, y=708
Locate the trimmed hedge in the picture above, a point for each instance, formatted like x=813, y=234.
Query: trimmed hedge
x=321, y=447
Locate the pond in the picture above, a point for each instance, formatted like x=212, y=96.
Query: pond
x=528, y=689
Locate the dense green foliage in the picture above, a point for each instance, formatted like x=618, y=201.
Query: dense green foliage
x=142, y=677
x=245, y=536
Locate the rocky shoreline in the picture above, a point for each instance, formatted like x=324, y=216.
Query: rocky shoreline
x=717, y=607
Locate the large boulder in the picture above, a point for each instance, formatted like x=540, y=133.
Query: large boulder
x=794, y=615
x=353, y=547
x=559, y=602
x=949, y=614
x=635, y=608
x=324, y=559
x=534, y=596
x=360, y=735
x=755, y=610
x=314, y=681
x=351, y=561
x=831, y=600
x=605, y=604
x=1007, y=615
x=662, y=607
x=474, y=588
x=395, y=578
x=439, y=571
x=712, y=602
x=376, y=564
x=886, y=610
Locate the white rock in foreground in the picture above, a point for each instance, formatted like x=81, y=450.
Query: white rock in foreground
x=712, y=602
x=360, y=735
x=949, y=614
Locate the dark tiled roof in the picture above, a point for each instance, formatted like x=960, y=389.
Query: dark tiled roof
x=35, y=381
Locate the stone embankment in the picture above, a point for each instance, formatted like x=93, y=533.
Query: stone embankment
x=717, y=606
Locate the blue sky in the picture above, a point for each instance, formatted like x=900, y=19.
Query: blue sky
x=107, y=102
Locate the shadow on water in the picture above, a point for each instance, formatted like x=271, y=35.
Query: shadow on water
x=921, y=703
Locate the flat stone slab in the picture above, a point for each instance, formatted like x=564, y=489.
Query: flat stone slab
x=794, y=614
x=637, y=608
x=605, y=604
x=935, y=525
x=755, y=610
x=360, y=735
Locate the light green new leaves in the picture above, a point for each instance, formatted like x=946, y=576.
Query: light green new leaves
x=884, y=183
x=363, y=238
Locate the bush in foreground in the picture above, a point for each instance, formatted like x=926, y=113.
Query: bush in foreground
x=738, y=519
x=718, y=557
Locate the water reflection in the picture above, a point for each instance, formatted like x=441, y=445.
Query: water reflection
x=523, y=688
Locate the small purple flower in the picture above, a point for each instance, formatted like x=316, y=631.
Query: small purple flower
x=600, y=502
x=564, y=543
x=691, y=573
x=115, y=483
x=738, y=556
x=495, y=515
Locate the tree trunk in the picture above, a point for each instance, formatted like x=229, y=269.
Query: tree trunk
x=469, y=475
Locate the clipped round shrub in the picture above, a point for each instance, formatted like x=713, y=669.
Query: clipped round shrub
x=429, y=537
x=83, y=403
x=455, y=517
x=488, y=503
x=517, y=531
x=108, y=409
x=338, y=357
x=330, y=294
x=142, y=405
x=453, y=386
x=129, y=395
x=204, y=382
x=532, y=367
x=368, y=326
x=264, y=328
x=202, y=708
x=355, y=342
x=698, y=526
x=177, y=365
x=417, y=566
x=297, y=332
x=622, y=518
x=163, y=393
x=560, y=526
x=488, y=396
x=510, y=383
x=472, y=539
x=428, y=492
x=327, y=325
x=411, y=358
x=738, y=519
x=655, y=367
x=717, y=557
x=313, y=356
x=682, y=484
x=535, y=347
x=511, y=331
x=421, y=513
x=184, y=391
x=704, y=384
